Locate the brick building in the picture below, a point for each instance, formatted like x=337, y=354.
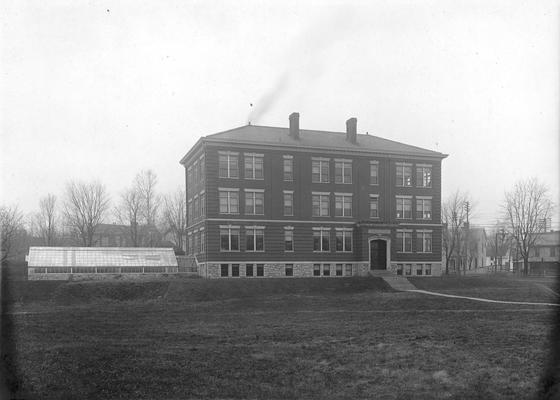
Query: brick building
x=281, y=202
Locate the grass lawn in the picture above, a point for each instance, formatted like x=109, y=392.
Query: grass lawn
x=291, y=338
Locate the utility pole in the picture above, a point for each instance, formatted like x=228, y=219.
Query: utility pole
x=467, y=248
x=496, y=254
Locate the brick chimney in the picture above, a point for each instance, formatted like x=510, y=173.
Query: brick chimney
x=352, y=130
x=294, y=125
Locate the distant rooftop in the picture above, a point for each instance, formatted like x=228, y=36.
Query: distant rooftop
x=100, y=257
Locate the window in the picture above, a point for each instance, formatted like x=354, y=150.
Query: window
x=321, y=240
x=254, y=166
x=228, y=167
x=404, y=241
x=316, y=269
x=289, y=269
x=320, y=204
x=224, y=269
x=424, y=176
x=424, y=208
x=408, y=269
x=399, y=269
x=229, y=238
x=373, y=206
x=537, y=252
x=190, y=211
x=201, y=169
x=344, y=240
x=202, y=204
x=288, y=168
x=553, y=252
x=320, y=170
x=326, y=269
x=195, y=172
x=343, y=205
x=338, y=270
x=229, y=201
x=373, y=173
x=248, y=269
x=196, y=208
x=404, y=207
x=418, y=269
x=254, y=202
x=234, y=269
x=202, y=241
x=288, y=239
x=190, y=175
x=196, y=243
x=424, y=241
x=288, y=203
x=404, y=174
x=342, y=171
x=191, y=248
x=428, y=269
x=348, y=271
x=254, y=238
x=260, y=269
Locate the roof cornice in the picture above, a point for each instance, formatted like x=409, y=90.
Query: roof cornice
x=337, y=150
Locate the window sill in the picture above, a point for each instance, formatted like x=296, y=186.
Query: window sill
x=227, y=177
x=229, y=251
x=254, y=251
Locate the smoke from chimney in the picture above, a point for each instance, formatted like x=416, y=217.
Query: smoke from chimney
x=306, y=59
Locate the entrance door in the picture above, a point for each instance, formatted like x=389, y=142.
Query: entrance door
x=378, y=254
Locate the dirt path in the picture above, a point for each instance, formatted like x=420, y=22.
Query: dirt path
x=525, y=303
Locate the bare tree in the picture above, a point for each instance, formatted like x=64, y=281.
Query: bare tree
x=145, y=182
x=84, y=207
x=525, y=207
x=174, y=217
x=454, y=217
x=11, y=224
x=46, y=220
x=128, y=212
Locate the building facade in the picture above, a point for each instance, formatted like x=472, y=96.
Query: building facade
x=544, y=256
x=283, y=202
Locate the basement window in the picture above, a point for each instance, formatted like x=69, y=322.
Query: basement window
x=260, y=269
x=234, y=269
x=224, y=269
x=338, y=269
x=249, y=270
x=289, y=269
x=316, y=269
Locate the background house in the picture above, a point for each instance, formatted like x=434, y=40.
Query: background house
x=544, y=257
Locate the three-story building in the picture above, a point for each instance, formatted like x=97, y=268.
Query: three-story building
x=282, y=202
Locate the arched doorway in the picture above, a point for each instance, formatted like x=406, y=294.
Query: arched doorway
x=378, y=254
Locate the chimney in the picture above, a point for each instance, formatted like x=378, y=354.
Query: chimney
x=294, y=125
x=352, y=130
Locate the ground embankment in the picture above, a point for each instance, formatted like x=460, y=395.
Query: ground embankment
x=179, y=290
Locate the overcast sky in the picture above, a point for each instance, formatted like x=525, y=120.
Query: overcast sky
x=103, y=89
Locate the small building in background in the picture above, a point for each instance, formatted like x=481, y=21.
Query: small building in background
x=115, y=235
x=544, y=257
x=77, y=263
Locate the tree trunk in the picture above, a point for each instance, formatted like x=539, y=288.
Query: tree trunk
x=526, y=266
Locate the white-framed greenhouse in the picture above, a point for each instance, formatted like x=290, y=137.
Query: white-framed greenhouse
x=97, y=262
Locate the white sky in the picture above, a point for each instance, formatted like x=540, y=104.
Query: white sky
x=103, y=89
